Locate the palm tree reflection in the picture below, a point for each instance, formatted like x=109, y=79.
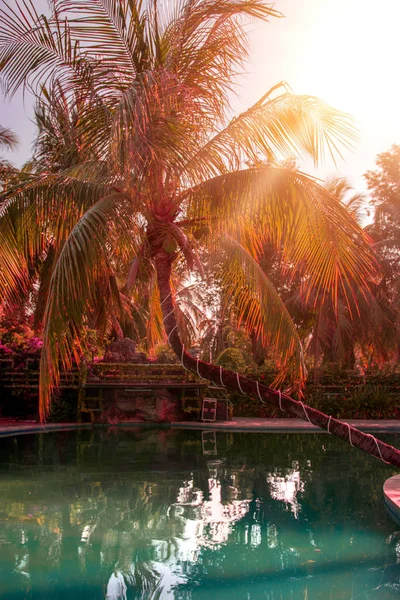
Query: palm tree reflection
x=173, y=524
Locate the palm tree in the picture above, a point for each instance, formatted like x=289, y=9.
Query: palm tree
x=360, y=320
x=158, y=161
x=9, y=141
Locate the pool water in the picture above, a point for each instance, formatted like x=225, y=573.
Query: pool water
x=190, y=515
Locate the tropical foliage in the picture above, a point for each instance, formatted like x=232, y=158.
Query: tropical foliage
x=139, y=164
x=384, y=188
x=8, y=141
x=18, y=339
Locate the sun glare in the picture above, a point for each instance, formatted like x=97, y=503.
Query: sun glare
x=352, y=58
x=351, y=62
x=345, y=52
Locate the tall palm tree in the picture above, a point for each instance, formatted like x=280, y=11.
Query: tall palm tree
x=159, y=157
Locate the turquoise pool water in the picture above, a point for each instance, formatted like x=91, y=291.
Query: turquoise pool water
x=161, y=513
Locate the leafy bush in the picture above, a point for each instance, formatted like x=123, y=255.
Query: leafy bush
x=232, y=359
x=374, y=399
x=18, y=340
x=165, y=355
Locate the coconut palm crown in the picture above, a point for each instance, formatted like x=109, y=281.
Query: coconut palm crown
x=140, y=162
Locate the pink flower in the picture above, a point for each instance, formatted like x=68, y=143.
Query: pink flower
x=5, y=349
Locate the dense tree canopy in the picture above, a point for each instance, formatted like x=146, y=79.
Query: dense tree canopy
x=384, y=182
x=384, y=187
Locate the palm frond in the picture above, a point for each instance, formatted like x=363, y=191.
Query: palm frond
x=14, y=275
x=317, y=235
x=112, y=28
x=355, y=202
x=205, y=44
x=39, y=54
x=72, y=130
x=274, y=129
x=31, y=50
x=8, y=139
x=158, y=115
x=260, y=308
x=78, y=274
x=48, y=205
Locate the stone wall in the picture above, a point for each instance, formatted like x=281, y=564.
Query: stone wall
x=158, y=406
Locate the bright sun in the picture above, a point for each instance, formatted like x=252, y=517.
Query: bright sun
x=345, y=52
x=353, y=57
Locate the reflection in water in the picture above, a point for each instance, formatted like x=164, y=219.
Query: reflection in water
x=147, y=515
x=286, y=487
x=209, y=522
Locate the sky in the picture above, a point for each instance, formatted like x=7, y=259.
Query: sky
x=343, y=51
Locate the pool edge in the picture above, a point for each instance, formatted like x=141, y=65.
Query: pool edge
x=245, y=424
x=391, y=494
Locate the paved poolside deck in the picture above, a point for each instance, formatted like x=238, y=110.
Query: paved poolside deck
x=9, y=427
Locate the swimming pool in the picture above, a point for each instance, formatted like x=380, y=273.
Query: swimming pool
x=163, y=513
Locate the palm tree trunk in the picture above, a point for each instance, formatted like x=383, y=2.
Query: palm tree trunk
x=236, y=382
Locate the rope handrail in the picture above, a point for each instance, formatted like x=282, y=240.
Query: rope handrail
x=356, y=438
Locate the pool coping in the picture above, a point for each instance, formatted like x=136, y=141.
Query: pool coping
x=240, y=424
x=391, y=494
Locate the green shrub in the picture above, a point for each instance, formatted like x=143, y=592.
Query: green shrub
x=232, y=359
